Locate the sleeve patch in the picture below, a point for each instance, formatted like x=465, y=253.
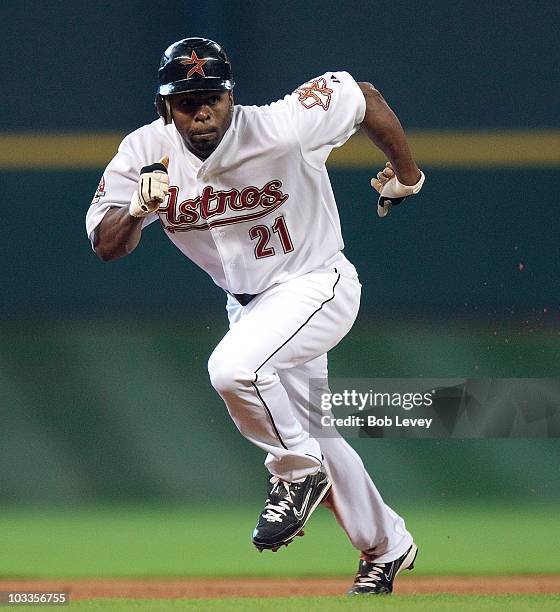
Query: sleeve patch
x=100, y=192
x=315, y=93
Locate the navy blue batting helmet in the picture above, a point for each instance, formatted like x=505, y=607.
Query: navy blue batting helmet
x=192, y=64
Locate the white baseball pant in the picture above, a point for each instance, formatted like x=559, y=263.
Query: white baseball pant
x=261, y=369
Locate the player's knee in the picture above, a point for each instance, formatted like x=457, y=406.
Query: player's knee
x=227, y=375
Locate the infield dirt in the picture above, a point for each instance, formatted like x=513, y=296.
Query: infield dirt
x=279, y=587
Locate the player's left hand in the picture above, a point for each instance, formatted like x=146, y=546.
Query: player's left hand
x=391, y=190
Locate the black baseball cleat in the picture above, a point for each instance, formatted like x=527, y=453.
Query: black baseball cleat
x=377, y=578
x=287, y=509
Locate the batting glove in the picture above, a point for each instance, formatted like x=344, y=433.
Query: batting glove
x=153, y=186
x=391, y=190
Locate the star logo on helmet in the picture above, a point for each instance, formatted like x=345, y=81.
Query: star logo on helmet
x=315, y=93
x=198, y=63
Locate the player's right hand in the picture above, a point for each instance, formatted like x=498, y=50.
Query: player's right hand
x=153, y=186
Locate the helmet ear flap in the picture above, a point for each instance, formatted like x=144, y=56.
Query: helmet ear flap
x=163, y=108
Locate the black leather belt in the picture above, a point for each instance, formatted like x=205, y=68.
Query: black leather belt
x=244, y=298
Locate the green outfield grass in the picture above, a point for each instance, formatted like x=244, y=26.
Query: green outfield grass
x=412, y=603
x=199, y=541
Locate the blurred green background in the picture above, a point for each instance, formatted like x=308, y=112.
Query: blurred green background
x=104, y=394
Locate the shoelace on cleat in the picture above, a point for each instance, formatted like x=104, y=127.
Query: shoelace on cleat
x=276, y=512
x=373, y=576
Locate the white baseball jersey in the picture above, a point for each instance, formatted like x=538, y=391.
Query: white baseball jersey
x=260, y=210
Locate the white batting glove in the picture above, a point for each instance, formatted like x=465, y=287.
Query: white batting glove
x=153, y=186
x=391, y=190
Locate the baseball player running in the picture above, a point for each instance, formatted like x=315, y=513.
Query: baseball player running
x=244, y=193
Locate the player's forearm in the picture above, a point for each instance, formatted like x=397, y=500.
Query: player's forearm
x=117, y=235
x=385, y=131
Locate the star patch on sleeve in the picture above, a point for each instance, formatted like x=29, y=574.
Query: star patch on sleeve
x=315, y=93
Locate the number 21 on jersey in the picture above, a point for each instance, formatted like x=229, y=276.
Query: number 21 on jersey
x=262, y=234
